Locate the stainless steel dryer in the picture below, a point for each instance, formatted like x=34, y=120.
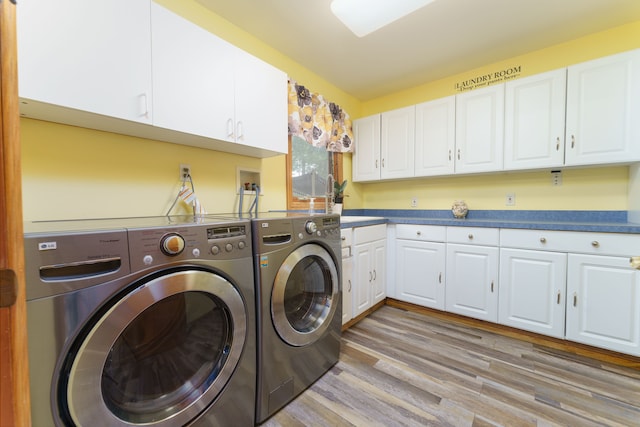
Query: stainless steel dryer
x=147, y=321
x=298, y=266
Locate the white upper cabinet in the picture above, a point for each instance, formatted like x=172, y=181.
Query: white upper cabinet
x=435, y=137
x=603, y=107
x=260, y=104
x=366, y=158
x=397, y=139
x=192, y=77
x=89, y=56
x=534, y=121
x=208, y=87
x=480, y=130
x=384, y=145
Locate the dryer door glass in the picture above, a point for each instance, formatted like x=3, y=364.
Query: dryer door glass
x=305, y=295
x=161, y=354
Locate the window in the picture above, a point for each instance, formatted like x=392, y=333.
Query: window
x=308, y=168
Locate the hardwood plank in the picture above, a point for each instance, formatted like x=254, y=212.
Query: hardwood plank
x=404, y=368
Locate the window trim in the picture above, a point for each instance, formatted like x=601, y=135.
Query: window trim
x=296, y=203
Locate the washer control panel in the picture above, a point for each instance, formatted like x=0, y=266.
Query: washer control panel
x=154, y=246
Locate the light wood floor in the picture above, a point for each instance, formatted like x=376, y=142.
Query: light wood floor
x=402, y=368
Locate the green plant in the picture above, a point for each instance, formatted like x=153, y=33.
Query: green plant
x=338, y=190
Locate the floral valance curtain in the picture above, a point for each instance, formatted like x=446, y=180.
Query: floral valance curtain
x=317, y=121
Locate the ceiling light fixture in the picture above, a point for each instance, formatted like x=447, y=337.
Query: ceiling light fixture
x=363, y=17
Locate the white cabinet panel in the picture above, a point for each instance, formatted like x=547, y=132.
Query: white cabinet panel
x=472, y=281
x=89, y=56
x=480, y=130
x=366, y=158
x=435, y=137
x=603, y=307
x=533, y=291
x=534, y=121
x=603, y=106
x=420, y=273
x=193, y=77
x=369, y=258
x=397, y=143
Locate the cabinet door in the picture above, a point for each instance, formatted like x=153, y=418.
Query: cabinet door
x=603, y=106
x=420, y=273
x=534, y=121
x=366, y=158
x=435, y=137
x=379, y=261
x=87, y=55
x=397, y=141
x=603, y=303
x=480, y=130
x=193, y=79
x=362, y=278
x=472, y=281
x=260, y=104
x=347, y=289
x=532, y=291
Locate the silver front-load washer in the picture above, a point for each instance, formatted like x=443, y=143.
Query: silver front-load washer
x=298, y=266
x=147, y=321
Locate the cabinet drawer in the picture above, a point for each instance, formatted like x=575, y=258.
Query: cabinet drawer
x=572, y=241
x=473, y=236
x=431, y=233
x=369, y=233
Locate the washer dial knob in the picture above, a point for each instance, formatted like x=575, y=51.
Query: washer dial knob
x=172, y=244
x=310, y=227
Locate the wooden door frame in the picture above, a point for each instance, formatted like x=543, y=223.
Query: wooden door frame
x=14, y=370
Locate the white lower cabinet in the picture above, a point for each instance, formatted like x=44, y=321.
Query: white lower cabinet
x=603, y=304
x=369, y=267
x=532, y=290
x=346, y=234
x=573, y=285
x=472, y=272
x=420, y=265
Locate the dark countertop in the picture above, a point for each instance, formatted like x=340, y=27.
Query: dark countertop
x=589, y=221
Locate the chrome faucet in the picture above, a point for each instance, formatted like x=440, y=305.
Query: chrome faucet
x=328, y=201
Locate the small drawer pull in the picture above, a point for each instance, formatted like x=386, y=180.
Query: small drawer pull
x=595, y=244
x=470, y=236
x=343, y=238
x=543, y=240
x=419, y=233
x=558, y=299
x=440, y=278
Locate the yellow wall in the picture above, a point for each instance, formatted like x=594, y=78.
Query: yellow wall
x=582, y=189
x=71, y=172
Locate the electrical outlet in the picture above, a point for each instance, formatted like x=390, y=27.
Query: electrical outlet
x=510, y=200
x=556, y=178
x=414, y=202
x=185, y=171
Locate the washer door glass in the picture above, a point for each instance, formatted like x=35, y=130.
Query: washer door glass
x=159, y=355
x=305, y=295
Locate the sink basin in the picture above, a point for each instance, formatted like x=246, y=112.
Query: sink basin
x=348, y=219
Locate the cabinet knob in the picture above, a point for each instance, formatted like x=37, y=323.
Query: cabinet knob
x=635, y=262
x=419, y=233
x=343, y=238
x=595, y=244
x=470, y=236
x=543, y=240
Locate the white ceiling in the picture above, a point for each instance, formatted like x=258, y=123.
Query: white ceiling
x=444, y=38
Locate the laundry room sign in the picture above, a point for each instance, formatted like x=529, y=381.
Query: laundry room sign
x=488, y=79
